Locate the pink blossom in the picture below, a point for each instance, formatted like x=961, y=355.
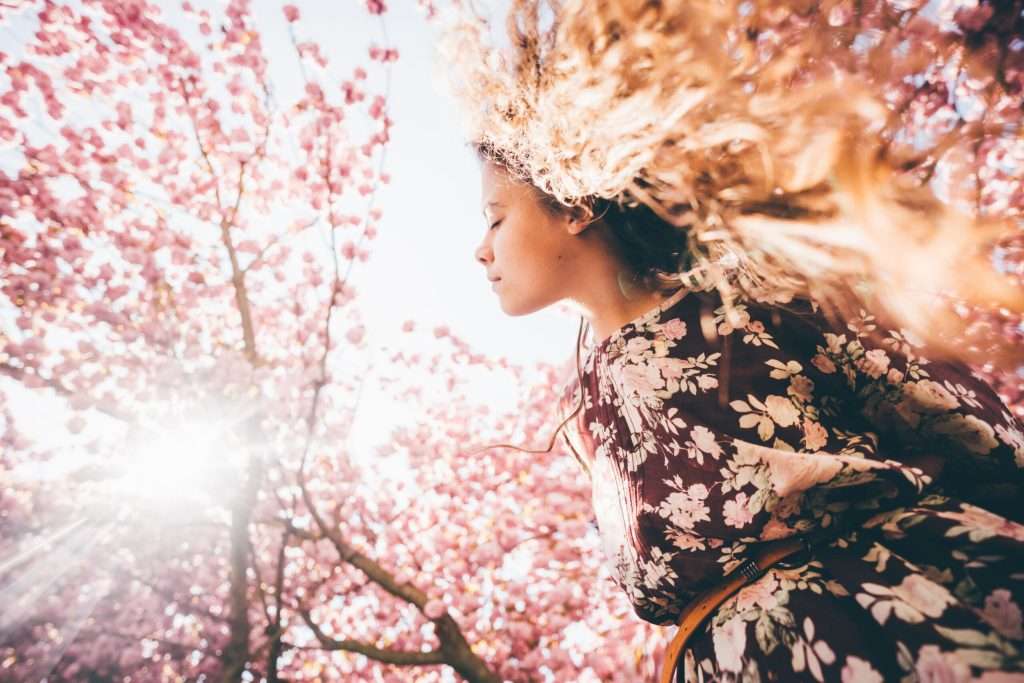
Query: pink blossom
x=815, y=436
x=857, y=670
x=418, y=507
x=1004, y=614
x=76, y=424
x=674, y=329
x=642, y=379
x=801, y=387
x=706, y=382
x=935, y=666
x=874, y=363
x=824, y=364
x=705, y=440
x=737, y=512
x=671, y=368
x=356, y=334
x=924, y=595
x=760, y=594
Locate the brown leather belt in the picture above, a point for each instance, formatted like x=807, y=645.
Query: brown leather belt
x=698, y=609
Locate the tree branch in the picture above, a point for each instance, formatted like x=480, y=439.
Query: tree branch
x=19, y=375
x=277, y=241
x=386, y=655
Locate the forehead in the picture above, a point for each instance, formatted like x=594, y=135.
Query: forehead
x=496, y=183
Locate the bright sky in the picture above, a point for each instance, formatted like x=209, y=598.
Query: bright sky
x=422, y=264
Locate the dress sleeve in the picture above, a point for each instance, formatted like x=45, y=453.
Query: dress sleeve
x=774, y=423
x=767, y=441
x=937, y=413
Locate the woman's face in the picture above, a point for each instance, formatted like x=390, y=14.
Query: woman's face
x=526, y=248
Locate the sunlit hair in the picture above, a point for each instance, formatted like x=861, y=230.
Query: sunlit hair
x=779, y=168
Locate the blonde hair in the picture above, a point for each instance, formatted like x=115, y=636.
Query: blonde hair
x=779, y=163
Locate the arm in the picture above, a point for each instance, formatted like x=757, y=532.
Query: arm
x=935, y=411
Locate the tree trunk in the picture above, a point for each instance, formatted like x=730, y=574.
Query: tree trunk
x=460, y=656
x=236, y=655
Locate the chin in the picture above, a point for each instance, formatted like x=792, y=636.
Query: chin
x=510, y=310
x=516, y=309
x=515, y=306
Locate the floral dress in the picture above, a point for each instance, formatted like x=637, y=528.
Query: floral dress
x=704, y=434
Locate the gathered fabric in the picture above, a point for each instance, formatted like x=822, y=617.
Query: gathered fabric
x=705, y=434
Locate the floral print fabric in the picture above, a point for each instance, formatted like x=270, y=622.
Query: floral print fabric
x=705, y=434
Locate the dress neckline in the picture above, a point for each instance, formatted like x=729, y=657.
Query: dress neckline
x=646, y=316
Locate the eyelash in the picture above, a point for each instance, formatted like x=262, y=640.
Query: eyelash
x=495, y=223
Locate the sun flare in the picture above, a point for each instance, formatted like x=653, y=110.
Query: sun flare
x=175, y=465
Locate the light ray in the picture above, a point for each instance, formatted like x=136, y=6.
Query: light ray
x=88, y=598
x=42, y=544
x=39, y=577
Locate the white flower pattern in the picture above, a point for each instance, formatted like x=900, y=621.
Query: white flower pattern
x=807, y=435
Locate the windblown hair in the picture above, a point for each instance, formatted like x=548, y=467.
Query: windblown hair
x=775, y=161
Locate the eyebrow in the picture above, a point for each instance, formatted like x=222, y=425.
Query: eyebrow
x=491, y=203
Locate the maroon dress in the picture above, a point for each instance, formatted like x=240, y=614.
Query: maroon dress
x=704, y=436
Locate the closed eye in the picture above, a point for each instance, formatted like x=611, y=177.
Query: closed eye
x=496, y=223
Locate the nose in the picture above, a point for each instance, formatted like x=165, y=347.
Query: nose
x=483, y=253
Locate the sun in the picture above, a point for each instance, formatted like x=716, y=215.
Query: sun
x=177, y=464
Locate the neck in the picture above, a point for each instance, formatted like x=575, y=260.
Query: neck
x=612, y=300
x=604, y=326
x=601, y=289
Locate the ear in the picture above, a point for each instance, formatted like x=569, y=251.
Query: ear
x=579, y=218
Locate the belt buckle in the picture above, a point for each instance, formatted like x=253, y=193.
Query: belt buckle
x=750, y=571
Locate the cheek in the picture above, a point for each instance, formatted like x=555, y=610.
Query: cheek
x=531, y=251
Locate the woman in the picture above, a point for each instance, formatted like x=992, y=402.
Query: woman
x=697, y=200
x=705, y=436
